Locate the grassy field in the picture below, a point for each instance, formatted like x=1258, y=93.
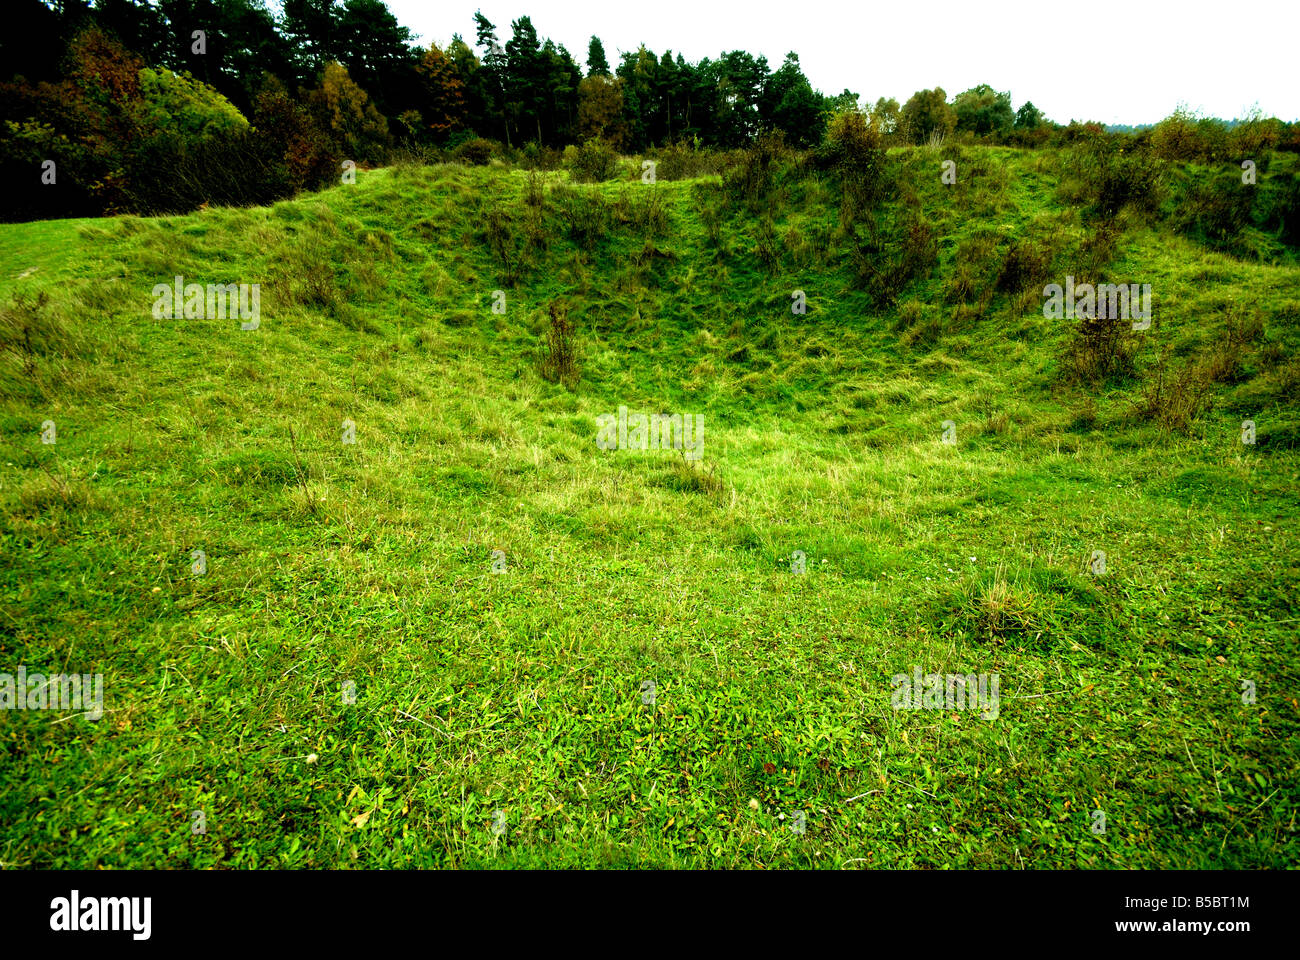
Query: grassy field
x=472, y=638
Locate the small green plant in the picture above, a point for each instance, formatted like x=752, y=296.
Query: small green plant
x=534, y=190
x=765, y=248
x=585, y=212
x=28, y=331
x=1174, y=399
x=1100, y=349
x=1027, y=265
x=560, y=357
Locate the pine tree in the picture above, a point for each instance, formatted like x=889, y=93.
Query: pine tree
x=597, y=65
x=493, y=75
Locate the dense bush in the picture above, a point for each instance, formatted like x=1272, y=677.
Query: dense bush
x=1027, y=265
x=682, y=161
x=1173, y=399
x=592, y=162
x=975, y=270
x=1177, y=138
x=1184, y=137
x=125, y=138
x=309, y=158
x=584, y=211
x=240, y=170
x=1216, y=208
x=853, y=149
x=534, y=157
x=751, y=174
x=476, y=151
x=889, y=259
x=1115, y=174
x=1279, y=207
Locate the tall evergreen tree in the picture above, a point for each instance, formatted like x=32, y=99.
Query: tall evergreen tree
x=478, y=93
x=312, y=28
x=637, y=70
x=376, y=50
x=563, y=79
x=597, y=65
x=526, y=76
x=140, y=27
x=493, y=69
x=740, y=78
x=789, y=103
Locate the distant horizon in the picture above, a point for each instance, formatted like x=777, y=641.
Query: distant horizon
x=1218, y=73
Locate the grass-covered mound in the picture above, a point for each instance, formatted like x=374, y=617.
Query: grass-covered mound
x=370, y=568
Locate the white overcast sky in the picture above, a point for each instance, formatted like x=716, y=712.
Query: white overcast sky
x=1116, y=61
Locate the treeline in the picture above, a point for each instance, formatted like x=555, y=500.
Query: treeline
x=137, y=106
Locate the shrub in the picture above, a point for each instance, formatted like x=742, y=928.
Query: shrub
x=476, y=151
x=240, y=170
x=683, y=161
x=765, y=246
x=1174, y=400
x=308, y=157
x=534, y=190
x=82, y=171
x=690, y=477
x=584, y=211
x=709, y=200
x=854, y=150
x=1279, y=207
x=646, y=212
x=1116, y=174
x=750, y=177
x=311, y=264
x=1175, y=137
x=511, y=248
x=1101, y=348
x=920, y=249
x=559, y=359
x=1028, y=263
x=975, y=269
x=1216, y=210
x=1098, y=248
x=592, y=162
x=885, y=267
x=183, y=107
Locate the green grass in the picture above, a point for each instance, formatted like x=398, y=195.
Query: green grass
x=522, y=691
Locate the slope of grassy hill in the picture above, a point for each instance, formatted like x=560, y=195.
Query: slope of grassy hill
x=473, y=638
